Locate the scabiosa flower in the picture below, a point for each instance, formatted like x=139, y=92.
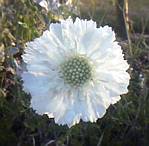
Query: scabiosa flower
x=53, y=5
x=75, y=71
x=49, y=5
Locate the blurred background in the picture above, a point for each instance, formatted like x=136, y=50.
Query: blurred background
x=125, y=124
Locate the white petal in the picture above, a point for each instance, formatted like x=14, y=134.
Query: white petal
x=115, y=99
x=106, y=38
x=44, y=4
x=35, y=82
x=83, y=26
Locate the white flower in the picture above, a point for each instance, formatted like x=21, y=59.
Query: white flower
x=75, y=71
x=48, y=4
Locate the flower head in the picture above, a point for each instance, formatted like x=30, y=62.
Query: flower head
x=51, y=5
x=75, y=71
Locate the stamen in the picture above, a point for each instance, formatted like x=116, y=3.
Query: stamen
x=76, y=71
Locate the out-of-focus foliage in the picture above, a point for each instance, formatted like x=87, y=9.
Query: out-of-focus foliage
x=125, y=124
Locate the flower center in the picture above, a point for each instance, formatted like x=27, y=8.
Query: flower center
x=76, y=71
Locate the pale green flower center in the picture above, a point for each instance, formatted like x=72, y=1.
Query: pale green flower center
x=76, y=71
